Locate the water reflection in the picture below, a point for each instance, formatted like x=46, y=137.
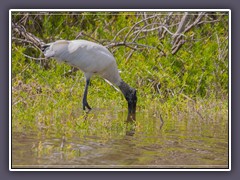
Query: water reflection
x=131, y=124
x=145, y=140
x=131, y=117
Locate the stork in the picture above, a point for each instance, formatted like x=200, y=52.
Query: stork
x=92, y=59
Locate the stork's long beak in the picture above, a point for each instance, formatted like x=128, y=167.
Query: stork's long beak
x=132, y=108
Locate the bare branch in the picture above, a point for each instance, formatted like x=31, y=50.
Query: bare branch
x=198, y=19
x=182, y=24
x=162, y=32
x=178, y=41
x=28, y=36
x=136, y=25
x=143, y=29
x=118, y=33
x=120, y=44
x=30, y=57
x=213, y=21
x=181, y=27
x=26, y=41
x=81, y=34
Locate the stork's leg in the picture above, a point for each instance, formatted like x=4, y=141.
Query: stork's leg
x=84, y=101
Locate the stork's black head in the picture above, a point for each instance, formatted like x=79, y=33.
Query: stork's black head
x=131, y=97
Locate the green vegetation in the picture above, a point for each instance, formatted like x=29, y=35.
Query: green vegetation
x=193, y=82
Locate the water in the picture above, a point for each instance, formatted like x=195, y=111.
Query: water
x=150, y=142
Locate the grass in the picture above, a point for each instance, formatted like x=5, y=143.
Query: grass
x=59, y=108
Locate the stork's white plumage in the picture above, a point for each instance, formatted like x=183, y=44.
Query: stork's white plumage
x=91, y=58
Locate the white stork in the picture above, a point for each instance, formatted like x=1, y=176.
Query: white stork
x=91, y=58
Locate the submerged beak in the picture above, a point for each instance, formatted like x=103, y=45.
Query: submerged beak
x=132, y=110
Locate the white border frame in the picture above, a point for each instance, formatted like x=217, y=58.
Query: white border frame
x=116, y=10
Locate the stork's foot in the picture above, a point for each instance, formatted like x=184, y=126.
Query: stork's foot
x=85, y=104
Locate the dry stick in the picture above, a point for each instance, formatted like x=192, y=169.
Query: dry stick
x=166, y=22
x=181, y=26
x=84, y=34
x=153, y=29
x=128, y=44
x=177, y=37
x=143, y=30
x=198, y=19
x=177, y=43
x=129, y=55
x=118, y=33
x=145, y=16
x=136, y=25
x=30, y=57
x=120, y=44
x=24, y=18
x=28, y=36
x=213, y=21
x=26, y=41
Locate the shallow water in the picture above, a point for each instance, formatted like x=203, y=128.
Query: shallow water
x=153, y=141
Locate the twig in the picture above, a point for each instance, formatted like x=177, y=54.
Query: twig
x=166, y=22
x=200, y=16
x=213, y=21
x=177, y=37
x=120, y=44
x=30, y=57
x=28, y=36
x=137, y=24
x=153, y=29
x=118, y=33
x=84, y=34
x=129, y=55
x=26, y=41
